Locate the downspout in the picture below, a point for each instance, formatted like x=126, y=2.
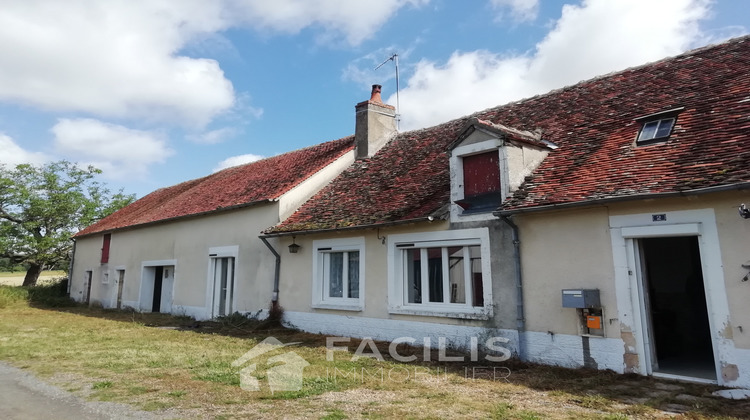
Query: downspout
x=520, y=319
x=275, y=295
x=70, y=266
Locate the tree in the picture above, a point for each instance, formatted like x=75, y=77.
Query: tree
x=42, y=207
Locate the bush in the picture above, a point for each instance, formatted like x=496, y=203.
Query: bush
x=53, y=295
x=12, y=296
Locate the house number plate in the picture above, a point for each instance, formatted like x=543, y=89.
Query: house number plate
x=659, y=217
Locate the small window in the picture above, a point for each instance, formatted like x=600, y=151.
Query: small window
x=105, y=277
x=654, y=130
x=338, y=267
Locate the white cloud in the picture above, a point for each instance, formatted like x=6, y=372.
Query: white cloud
x=125, y=59
x=237, y=160
x=13, y=154
x=520, y=10
x=597, y=37
x=354, y=20
x=119, y=151
x=213, y=136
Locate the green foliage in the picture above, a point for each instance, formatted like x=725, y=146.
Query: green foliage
x=41, y=207
x=51, y=295
x=11, y=296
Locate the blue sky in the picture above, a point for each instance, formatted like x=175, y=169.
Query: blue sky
x=156, y=93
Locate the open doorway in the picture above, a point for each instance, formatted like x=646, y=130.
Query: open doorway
x=675, y=307
x=157, y=283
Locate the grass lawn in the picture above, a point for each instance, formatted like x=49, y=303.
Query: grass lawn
x=158, y=362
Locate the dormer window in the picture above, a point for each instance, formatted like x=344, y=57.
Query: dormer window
x=488, y=162
x=657, y=127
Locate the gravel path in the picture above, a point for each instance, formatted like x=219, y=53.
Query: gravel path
x=23, y=396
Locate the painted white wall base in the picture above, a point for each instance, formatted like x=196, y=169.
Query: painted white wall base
x=457, y=336
x=567, y=350
x=199, y=313
x=737, y=357
x=559, y=349
x=129, y=304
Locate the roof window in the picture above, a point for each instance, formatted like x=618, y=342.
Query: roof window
x=657, y=127
x=654, y=130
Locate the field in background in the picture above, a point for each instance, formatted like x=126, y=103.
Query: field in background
x=16, y=278
x=182, y=368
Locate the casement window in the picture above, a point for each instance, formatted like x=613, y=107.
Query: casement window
x=657, y=127
x=440, y=273
x=106, y=239
x=338, y=273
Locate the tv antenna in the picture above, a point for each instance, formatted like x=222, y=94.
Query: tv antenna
x=394, y=58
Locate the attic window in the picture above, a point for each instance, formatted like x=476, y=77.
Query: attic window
x=482, y=186
x=657, y=127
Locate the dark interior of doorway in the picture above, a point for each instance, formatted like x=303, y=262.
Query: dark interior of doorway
x=679, y=314
x=158, y=277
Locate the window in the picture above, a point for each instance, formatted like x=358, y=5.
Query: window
x=481, y=182
x=477, y=180
x=654, y=130
x=338, y=267
x=657, y=127
x=105, y=277
x=106, y=239
x=441, y=273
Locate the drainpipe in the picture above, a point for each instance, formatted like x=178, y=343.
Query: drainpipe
x=275, y=296
x=520, y=319
x=70, y=266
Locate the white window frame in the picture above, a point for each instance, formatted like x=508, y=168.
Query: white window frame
x=397, y=296
x=457, y=177
x=320, y=289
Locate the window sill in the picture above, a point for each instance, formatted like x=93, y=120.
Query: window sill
x=479, y=313
x=354, y=307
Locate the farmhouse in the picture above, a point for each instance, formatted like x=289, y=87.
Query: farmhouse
x=596, y=225
x=193, y=248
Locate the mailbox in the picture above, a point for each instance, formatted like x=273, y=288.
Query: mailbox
x=580, y=298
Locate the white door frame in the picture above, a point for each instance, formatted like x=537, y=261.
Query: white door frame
x=214, y=253
x=146, y=287
x=625, y=231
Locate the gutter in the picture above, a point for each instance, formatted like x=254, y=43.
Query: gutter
x=277, y=269
x=346, y=228
x=595, y=201
x=520, y=318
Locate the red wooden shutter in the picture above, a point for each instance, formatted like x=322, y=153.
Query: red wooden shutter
x=481, y=173
x=105, y=247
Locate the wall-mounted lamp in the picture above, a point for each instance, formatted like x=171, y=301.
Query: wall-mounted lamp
x=294, y=248
x=744, y=211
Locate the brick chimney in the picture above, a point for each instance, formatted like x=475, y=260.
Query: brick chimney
x=375, y=125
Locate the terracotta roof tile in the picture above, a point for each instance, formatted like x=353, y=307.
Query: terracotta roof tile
x=254, y=182
x=593, y=123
